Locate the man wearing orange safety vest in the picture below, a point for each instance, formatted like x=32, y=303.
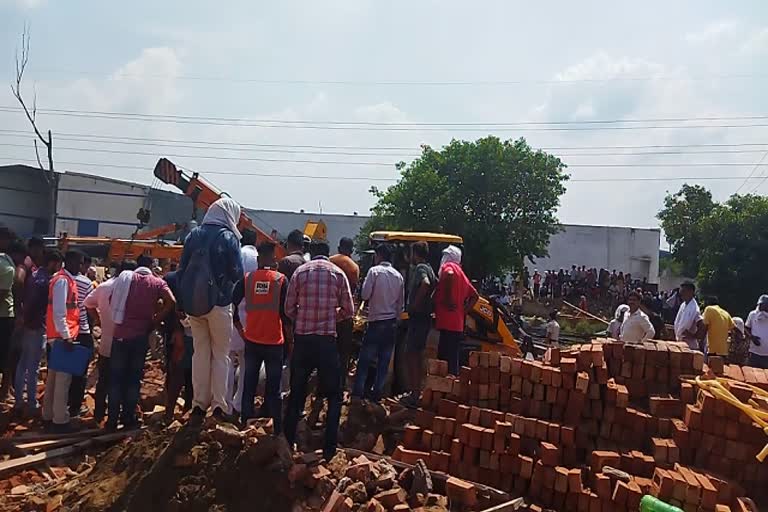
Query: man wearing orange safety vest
x=263, y=293
x=62, y=326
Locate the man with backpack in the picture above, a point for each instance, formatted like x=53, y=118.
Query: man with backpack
x=210, y=266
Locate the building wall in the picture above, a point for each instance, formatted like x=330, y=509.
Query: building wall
x=23, y=200
x=630, y=250
x=95, y=206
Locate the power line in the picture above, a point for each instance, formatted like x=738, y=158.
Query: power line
x=354, y=153
x=376, y=164
x=759, y=183
x=396, y=83
x=99, y=138
x=758, y=164
x=355, y=126
x=371, y=178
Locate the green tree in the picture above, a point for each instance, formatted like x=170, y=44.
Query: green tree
x=500, y=196
x=732, y=261
x=681, y=220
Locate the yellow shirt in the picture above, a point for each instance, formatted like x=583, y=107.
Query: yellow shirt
x=719, y=323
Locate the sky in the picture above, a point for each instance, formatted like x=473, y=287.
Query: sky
x=278, y=92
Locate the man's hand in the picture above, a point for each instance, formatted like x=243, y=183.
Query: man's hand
x=69, y=344
x=177, y=353
x=756, y=340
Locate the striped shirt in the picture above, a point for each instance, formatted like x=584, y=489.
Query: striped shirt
x=315, y=291
x=84, y=287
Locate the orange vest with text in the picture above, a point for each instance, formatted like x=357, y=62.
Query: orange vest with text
x=263, y=323
x=73, y=313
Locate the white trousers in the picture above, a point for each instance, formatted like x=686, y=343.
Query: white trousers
x=210, y=361
x=56, y=397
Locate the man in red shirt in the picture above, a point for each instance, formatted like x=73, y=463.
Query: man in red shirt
x=318, y=298
x=136, y=314
x=454, y=297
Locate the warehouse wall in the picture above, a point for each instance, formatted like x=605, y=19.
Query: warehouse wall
x=632, y=250
x=23, y=200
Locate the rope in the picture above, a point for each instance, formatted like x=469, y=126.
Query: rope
x=719, y=389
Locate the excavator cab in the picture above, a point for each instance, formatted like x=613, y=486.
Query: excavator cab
x=486, y=326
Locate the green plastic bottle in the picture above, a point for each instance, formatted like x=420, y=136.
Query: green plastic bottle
x=651, y=504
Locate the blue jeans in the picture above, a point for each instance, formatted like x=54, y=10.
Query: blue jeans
x=126, y=370
x=758, y=361
x=272, y=357
x=310, y=353
x=378, y=344
x=32, y=345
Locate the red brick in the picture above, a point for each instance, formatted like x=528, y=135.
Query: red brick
x=461, y=492
x=549, y=454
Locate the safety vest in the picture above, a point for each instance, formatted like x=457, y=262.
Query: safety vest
x=263, y=323
x=73, y=314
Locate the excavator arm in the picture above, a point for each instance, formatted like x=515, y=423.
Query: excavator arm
x=203, y=195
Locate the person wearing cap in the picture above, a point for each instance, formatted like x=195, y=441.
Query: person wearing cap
x=383, y=289
x=454, y=297
x=738, y=349
x=294, y=245
x=757, y=333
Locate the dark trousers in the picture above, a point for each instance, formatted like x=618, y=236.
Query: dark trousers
x=102, y=387
x=758, y=361
x=346, y=345
x=8, y=358
x=378, y=345
x=448, y=349
x=272, y=358
x=77, y=388
x=310, y=353
x=127, y=368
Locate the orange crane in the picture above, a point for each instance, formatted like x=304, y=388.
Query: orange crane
x=203, y=195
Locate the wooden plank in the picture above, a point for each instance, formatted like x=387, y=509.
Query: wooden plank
x=515, y=504
x=20, y=463
x=29, y=438
x=49, y=444
x=590, y=315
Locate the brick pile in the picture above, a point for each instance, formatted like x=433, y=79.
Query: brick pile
x=549, y=429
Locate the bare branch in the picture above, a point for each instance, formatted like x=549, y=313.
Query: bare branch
x=37, y=154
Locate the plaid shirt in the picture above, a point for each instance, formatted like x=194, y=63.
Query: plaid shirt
x=315, y=291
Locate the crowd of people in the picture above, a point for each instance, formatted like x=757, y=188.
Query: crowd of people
x=229, y=309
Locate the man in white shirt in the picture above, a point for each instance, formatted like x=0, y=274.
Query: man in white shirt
x=236, y=372
x=553, y=330
x=757, y=332
x=688, y=322
x=637, y=327
x=383, y=289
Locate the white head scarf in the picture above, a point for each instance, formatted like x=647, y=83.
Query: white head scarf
x=739, y=324
x=619, y=315
x=451, y=254
x=224, y=212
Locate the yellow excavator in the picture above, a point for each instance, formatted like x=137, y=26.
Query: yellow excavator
x=486, y=326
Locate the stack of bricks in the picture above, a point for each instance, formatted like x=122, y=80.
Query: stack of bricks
x=529, y=426
x=753, y=376
x=719, y=437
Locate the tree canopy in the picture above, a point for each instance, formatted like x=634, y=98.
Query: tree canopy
x=500, y=196
x=725, y=245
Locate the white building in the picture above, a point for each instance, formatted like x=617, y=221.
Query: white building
x=90, y=205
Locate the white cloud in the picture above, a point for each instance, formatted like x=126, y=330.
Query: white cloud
x=712, y=33
x=23, y=4
x=385, y=112
x=757, y=43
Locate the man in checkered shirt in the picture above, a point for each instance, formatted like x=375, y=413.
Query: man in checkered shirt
x=318, y=298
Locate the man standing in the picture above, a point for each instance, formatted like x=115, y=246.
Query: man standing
x=62, y=319
x=647, y=306
x=97, y=304
x=294, y=245
x=688, y=321
x=454, y=297
x=136, y=314
x=33, y=330
x=344, y=330
x=552, y=330
x=262, y=292
x=318, y=298
x=178, y=353
x=757, y=332
x=718, y=325
x=637, y=327
x=77, y=388
x=536, y=284
x=13, y=274
x=210, y=266
x=421, y=284
x=236, y=373
x=383, y=290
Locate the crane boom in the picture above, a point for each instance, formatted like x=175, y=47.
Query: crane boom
x=203, y=195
